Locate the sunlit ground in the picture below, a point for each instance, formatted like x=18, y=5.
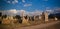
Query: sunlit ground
x=31, y=23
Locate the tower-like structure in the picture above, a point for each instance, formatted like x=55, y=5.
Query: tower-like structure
x=24, y=21
x=46, y=16
x=40, y=17
x=43, y=16
x=0, y=17
x=0, y=14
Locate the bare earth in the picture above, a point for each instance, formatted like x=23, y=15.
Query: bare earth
x=53, y=25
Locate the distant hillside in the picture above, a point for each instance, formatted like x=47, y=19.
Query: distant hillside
x=55, y=15
x=58, y=15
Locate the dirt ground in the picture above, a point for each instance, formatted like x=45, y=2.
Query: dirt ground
x=52, y=25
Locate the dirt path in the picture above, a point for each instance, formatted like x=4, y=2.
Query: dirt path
x=41, y=26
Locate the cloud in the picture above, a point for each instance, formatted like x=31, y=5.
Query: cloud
x=8, y=2
x=9, y=12
x=13, y=2
x=20, y=12
x=50, y=11
x=23, y=1
x=57, y=10
x=34, y=13
x=37, y=12
x=14, y=12
x=53, y=11
x=26, y=5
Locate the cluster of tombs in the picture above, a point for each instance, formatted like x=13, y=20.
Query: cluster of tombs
x=22, y=19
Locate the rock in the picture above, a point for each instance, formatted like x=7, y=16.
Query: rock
x=25, y=22
x=55, y=18
x=46, y=16
x=5, y=21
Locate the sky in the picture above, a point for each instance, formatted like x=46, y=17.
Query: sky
x=30, y=5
